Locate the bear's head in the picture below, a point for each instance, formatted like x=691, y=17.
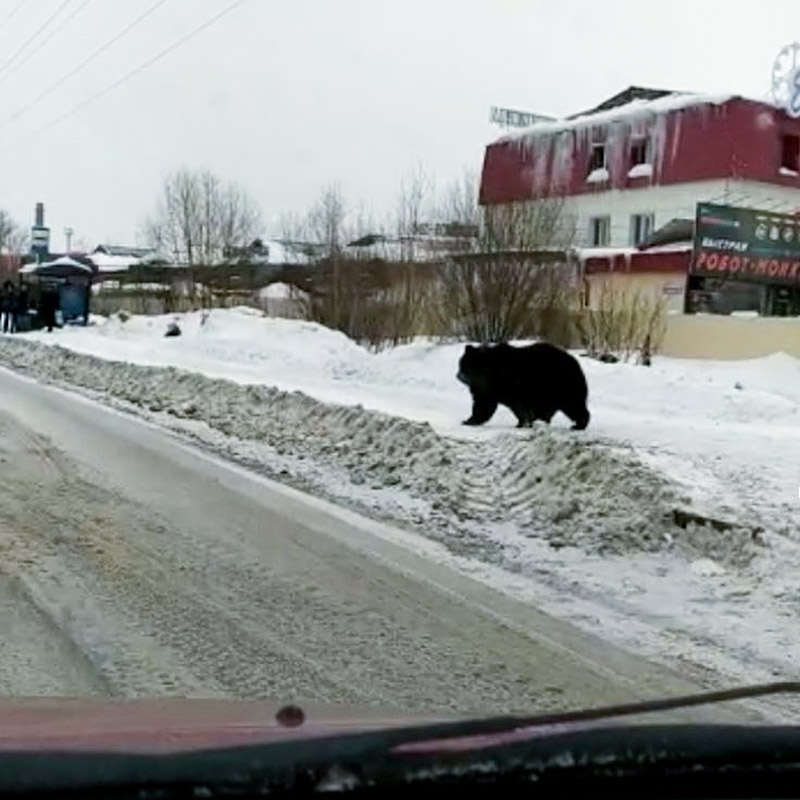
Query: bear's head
x=472, y=365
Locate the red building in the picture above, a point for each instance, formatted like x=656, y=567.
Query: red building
x=646, y=157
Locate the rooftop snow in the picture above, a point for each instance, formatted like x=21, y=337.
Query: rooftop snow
x=636, y=108
x=63, y=261
x=113, y=263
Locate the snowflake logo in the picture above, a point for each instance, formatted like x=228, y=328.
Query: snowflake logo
x=786, y=79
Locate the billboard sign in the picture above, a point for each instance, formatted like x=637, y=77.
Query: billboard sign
x=509, y=118
x=746, y=244
x=40, y=241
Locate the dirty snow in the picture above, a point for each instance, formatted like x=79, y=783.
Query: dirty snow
x=603, y=528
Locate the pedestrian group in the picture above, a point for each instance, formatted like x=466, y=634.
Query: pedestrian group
x=13, y=305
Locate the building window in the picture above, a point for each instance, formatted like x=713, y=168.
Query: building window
x=597, y=159
x=600, y=231
x=641, y=227
x=640, y=151
x=790, y=152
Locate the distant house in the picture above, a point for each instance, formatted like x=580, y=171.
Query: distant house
x=432, y=242
x=273, y=252
x=117, y=258
x=124, y=251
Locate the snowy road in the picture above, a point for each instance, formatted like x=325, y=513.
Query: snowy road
x=133, y=565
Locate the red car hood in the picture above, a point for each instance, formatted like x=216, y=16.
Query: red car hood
x=170, y=725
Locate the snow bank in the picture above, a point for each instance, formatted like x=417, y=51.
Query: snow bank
x=551, y=484
x=603, y=528
x=727, y=433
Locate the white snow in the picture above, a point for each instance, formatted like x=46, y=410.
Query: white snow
x=63, y=261
x=282, y=253
x=707, y=567
x=277, y=253
x=640, y=171
x=604, y=252
x=276, y=291
x=599, y=175
x=634, y=110
x=723, y=436
x=111, y=263
x=790, y=173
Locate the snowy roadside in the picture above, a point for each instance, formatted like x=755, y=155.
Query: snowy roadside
x=582, y=525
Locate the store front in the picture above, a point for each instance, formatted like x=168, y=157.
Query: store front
x=744, y=260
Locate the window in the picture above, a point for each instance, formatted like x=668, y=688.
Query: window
x=600, y=231
x=790, y=152
x=641, y=227
x=640, y=151
x=597, y=159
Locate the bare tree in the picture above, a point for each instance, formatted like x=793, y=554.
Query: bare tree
x=623, y=322
x=199, y=218
x=416, y=189
x=459, y=202
x=13, y=241
x=238, y=218
x=9, y=231
x=326, y=221
x=293, y=227
x=520, y=279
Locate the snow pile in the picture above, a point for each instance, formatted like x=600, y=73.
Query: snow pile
x=599, y=175
x=726, y=433
x=669, y=526
x=548, y=483
x=240, y=344
x=276, y=291
x=640, y=171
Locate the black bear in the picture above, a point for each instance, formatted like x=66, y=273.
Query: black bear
x=533, y=381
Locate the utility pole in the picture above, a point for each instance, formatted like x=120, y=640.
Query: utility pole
x=68, y=233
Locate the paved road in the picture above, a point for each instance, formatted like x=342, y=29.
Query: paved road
x=134, y=565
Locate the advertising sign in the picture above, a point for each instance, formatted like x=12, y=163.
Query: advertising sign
x=509, y=118
x=40, y=241
x=746, y=244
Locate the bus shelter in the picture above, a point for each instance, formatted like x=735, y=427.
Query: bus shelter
x=63, y=285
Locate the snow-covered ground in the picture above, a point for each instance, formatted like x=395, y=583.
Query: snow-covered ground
x=581, y=523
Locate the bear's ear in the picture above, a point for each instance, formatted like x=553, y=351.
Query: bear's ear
x=469, y=348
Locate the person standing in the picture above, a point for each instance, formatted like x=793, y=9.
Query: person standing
x=8, y=307
x=21, y=310
x=48, y=304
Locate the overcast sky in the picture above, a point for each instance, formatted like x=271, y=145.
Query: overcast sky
x=286, y=96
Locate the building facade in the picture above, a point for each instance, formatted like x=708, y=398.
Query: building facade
x=646, y=157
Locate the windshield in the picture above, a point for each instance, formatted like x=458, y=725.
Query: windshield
x=396, y=363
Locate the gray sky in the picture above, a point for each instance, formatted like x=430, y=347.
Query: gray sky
x=285, y=96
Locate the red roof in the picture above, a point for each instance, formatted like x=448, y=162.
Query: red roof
x=691, y=138
x=626, y=260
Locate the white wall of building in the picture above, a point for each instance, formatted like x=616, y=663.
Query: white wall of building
x=669, y=202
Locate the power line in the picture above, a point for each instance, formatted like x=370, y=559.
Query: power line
x=47, y=38
x=21, y=49
x=136, y=70
x=11, y=13
x=100, y=50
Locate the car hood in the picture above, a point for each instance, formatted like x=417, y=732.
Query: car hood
x=174, y=725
